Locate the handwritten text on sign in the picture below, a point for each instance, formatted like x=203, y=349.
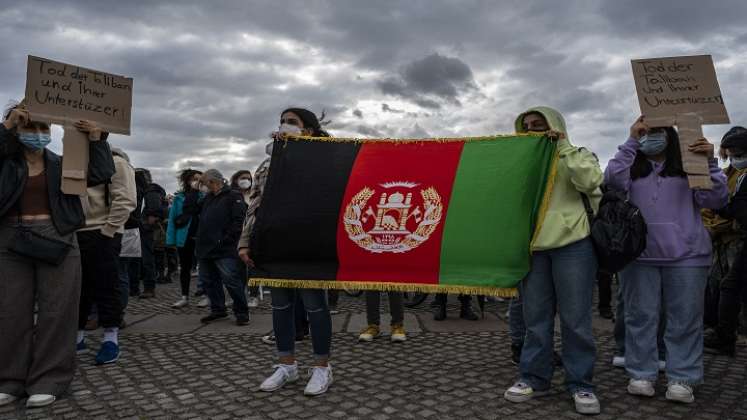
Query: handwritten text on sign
x=673, y=86
x=62, y=93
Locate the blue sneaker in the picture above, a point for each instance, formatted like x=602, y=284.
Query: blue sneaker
x=109, y=353
x=81, y=348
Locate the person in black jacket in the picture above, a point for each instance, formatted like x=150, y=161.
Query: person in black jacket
x=221, y=222
x=39, y=360
x=733, y=286
x=155, y=210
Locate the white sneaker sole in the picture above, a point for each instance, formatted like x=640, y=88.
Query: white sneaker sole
x=321, y=391
x=287, y=381
x=8, y=400
x=39, y=404
x=520, y=398
x=366, y=339
x=685, y=399
x=399, y=339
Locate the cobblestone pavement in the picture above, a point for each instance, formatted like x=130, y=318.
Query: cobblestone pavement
x=174, y=368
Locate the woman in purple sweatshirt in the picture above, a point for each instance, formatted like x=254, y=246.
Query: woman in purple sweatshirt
x=673, y=268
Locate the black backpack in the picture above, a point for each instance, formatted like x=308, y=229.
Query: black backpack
x=134, y=220
x=618, y=231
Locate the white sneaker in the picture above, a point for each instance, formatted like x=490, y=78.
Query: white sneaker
x=618, y=361
x=680, y=393
x=641, y=387
x=40, y=400
x=269, y=339
x=6, y=399
x=586, y=402
x=252, y=302
x=203, y=303
x=662, y=365
x=184, y=301
x=283, y=375
x=520, y=392
x=321, y=379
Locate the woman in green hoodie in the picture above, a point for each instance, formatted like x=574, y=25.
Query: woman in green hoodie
x=563, y=273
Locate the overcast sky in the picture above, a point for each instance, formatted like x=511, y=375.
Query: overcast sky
x=212, y=77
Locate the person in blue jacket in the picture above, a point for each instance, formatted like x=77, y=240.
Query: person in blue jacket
x=182, y=227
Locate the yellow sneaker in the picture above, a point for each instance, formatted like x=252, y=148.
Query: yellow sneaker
x=398, y=333
x=371, y=332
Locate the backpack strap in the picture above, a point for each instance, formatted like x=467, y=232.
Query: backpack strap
x=587, y=206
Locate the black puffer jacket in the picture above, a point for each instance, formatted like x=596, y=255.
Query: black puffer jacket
x=221, y=221
x=66, y=210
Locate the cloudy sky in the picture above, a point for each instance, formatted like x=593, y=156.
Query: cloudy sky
x=211, y=77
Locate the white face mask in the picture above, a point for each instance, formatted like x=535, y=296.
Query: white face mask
x=245, y=184
x=195, y=185
x=289, y=129
x=204, y=189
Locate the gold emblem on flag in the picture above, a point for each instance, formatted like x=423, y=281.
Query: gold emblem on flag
x=402, y=219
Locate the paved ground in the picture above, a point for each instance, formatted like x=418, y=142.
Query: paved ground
x=173, y=367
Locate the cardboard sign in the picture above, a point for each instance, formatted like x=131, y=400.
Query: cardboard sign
x=671, y=86
x=62, y=93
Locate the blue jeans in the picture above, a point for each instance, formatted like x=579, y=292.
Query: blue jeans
x=228, y=272
x=561, y=278
x=680, y=290
x=620, y=328
x=283, y=320
x=516, y=328
x=129, y=270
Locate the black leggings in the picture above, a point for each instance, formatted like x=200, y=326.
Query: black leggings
x=186, y=258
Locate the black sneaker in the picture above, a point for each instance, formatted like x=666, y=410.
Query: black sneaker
x=199, y=293
x=467, y=313
x=212, y=317
x=713, y=344
x=606, y=313
x=242, y=320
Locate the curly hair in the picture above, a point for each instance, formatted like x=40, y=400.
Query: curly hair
x=185, y=176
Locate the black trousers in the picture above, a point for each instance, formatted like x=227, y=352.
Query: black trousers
x=733, y=295
x=465, y=300
x=604, y=283
x=99, y=258
x=149, y=259
x=186, y=260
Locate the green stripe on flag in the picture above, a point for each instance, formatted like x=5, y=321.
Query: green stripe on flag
x=494, y=205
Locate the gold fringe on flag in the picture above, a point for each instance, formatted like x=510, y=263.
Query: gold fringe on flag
x=384, y=286
x=433, y=139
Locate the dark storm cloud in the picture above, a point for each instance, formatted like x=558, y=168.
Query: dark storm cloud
x=211, y=79
x=431, y=78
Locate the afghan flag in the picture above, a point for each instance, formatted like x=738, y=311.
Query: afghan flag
x=442, y=215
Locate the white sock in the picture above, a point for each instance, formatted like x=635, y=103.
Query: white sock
x=111, y=334
x=81, y=335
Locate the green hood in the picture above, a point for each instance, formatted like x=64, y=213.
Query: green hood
x=553, y=117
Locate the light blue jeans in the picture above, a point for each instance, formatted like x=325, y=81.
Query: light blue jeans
x=561, y=278
x=680, y=290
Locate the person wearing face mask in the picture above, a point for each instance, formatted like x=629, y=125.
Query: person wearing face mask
x=673, y=269
x=38, y=358
x=242, y=182
x=286, y=303
x=221, y=219
x=732, y=286
x=562, y=275
x=182, y=228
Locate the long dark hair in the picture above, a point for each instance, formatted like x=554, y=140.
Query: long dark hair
x=673, y=159
x=235, y=177
x=310, y=120
x=185, y=176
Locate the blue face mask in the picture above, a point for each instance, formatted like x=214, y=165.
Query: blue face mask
x=653, y=144
x=34, y=141
x=738, y=162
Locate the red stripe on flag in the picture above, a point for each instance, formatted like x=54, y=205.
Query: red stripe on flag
x=393, y=212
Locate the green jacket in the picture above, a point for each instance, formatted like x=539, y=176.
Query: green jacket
x=578, y=172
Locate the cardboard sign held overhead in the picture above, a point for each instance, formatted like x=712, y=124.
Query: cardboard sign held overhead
x=682, y=91
x=63, y=94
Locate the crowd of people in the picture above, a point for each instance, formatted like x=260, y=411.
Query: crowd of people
x=83, y=258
